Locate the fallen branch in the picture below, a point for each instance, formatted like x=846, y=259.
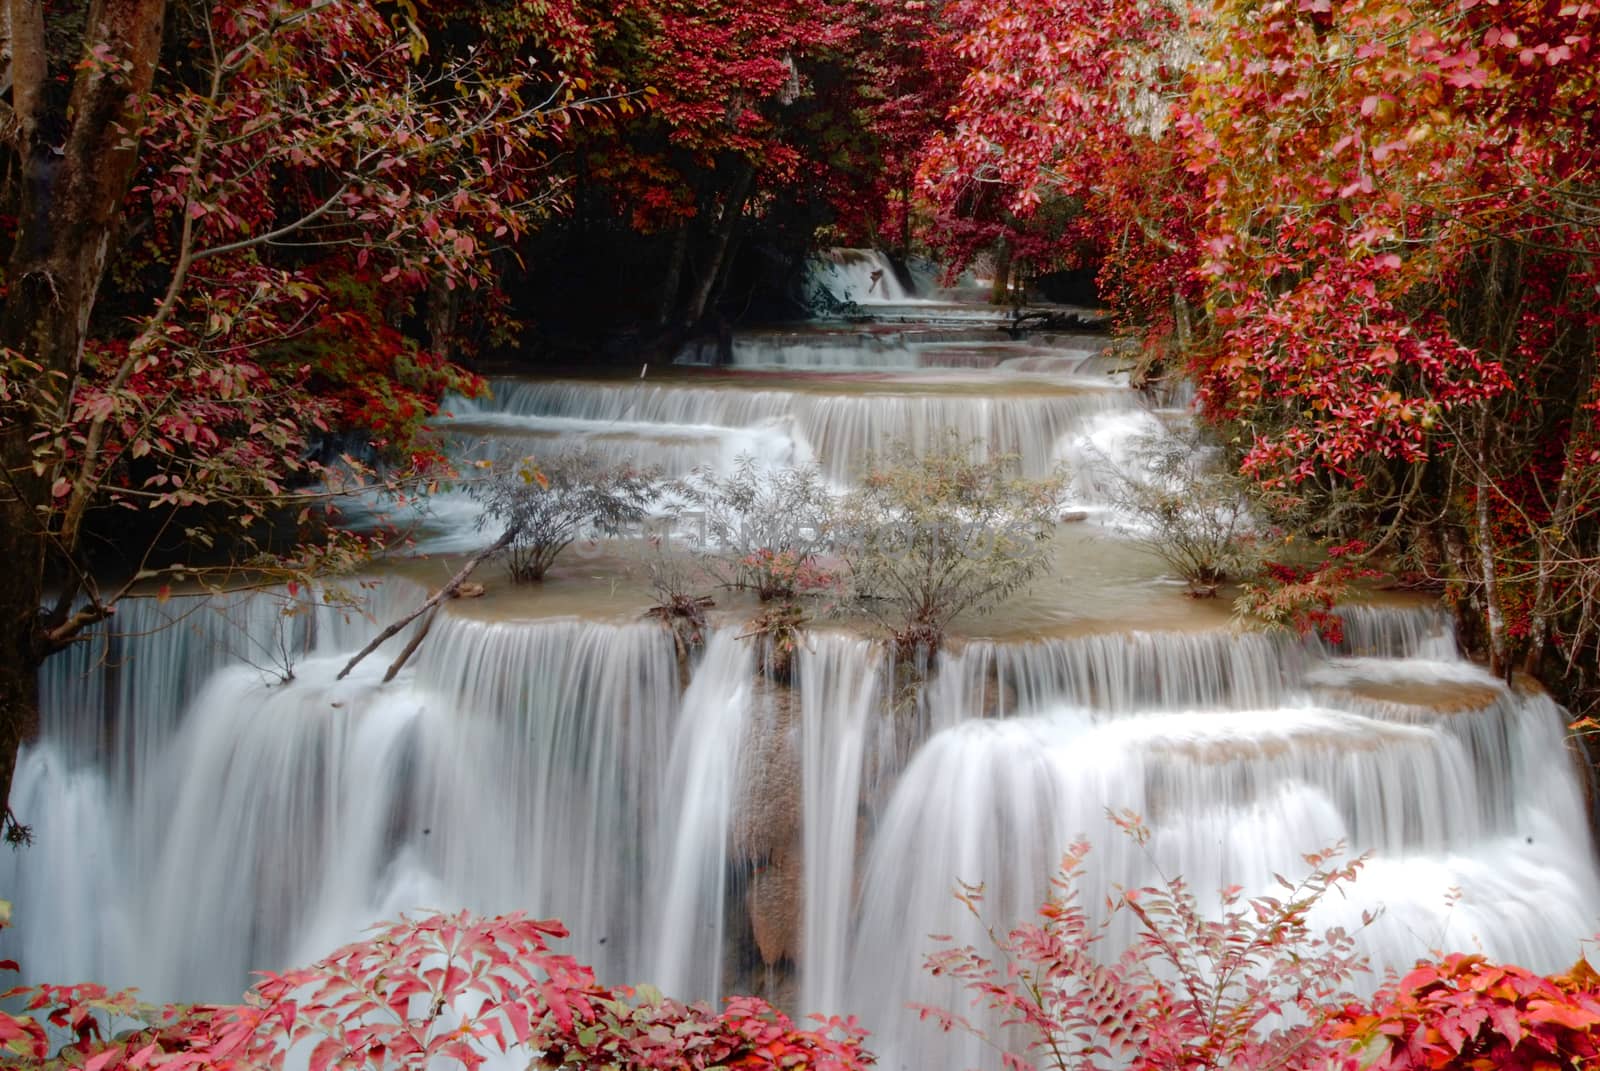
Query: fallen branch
x=411, y=647
x=432, y=603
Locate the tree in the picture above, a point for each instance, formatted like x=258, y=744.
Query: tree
x=209, y=247
x=953, y=530
x=1405, y=291
x=1379, y=228
x=545, y=506
x=1061, y=149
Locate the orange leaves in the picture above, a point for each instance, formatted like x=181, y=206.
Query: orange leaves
x=1464, y=1012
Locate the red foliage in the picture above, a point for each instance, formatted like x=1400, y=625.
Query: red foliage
x=448, y=987
x=1063, y=145
x=1252, y=988
x=1466, y=1014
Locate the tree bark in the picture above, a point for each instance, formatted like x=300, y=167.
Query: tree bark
x=672, y=280
x=999, y=287
x=1555, y=537
x=1499, y=664
x=75, y=158
x=721, y=240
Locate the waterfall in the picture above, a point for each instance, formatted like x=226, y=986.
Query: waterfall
x=839, y=430
x=862, y=276
x=703, y=773
x=841, y=683
x=810, y=352
x=515, y=767
x=209, y=800
x=1454, y=784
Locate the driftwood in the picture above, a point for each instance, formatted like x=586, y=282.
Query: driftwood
x=432, y=604
x=411, y=647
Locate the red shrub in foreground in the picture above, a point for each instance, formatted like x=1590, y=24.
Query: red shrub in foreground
x=1249, y=989
x=442, y=991
x=1252, y=988
x=1467, y=1014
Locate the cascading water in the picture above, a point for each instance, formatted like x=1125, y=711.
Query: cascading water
x=697, y=829
x=208, y=800
x=1462, y=793
x=838, y=430
x=859, y=276
x=841, y=685
x=517, y=766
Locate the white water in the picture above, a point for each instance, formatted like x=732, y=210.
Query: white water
x=838, y=430
x=811, y=352
x=841, y=681
x=1238, y=773
x=198, y=818
x=703, y=775
x=517, y=766
x=862, y=276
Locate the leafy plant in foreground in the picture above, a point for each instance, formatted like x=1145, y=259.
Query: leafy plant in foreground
x=1251, y=988
x=1464, y=1013
x=448, y=990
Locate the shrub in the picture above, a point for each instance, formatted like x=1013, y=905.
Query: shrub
x=1302, y=597
x=1463, y=1013
x=448, y=990
x=780, y=627
x=1190, y=512
x=552, y=503
x=926, y=538
x=677, y=605
x=1252, y=989
x=763, y=529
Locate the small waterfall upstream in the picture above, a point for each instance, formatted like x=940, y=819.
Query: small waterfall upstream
x=859, y=276
x=839, y=431
x=209, y=800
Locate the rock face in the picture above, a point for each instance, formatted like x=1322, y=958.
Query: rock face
x=767, y=828
x=774, y=903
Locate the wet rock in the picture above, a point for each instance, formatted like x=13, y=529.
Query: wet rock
x=773, y=902
x=768, y=812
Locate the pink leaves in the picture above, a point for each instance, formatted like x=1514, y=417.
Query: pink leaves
x=1193, y=992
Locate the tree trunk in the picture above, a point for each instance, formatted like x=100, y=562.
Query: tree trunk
x=20, y=649
x=1555, y=536
x=721, y=240
x=905, y=218
x=444, y=313
x=1182, y=324
x=74, y=163
x=672, y=280
x=1499, y=664
x=1000, y=290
